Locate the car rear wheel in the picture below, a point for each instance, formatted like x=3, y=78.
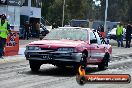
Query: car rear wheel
x=104, y=64
x=34, y=66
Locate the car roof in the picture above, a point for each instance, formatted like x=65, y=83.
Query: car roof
x=70, y=27
x=91, y=29
x=76, y=28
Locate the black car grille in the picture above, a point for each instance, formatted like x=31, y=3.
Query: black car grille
x=48, y=49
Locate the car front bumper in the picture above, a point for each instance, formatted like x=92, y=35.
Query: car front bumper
x=53, y=56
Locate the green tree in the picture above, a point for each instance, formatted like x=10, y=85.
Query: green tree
x=74, y=9
x=45, y=7
x=129, y=13
x=118, y=10
x=55, y=12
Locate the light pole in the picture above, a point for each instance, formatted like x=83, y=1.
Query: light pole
x=63, y=15
x=105, y=16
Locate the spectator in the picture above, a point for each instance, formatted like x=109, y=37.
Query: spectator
x=27, y=30
x=54, y=25
x=37, y=29
x=102, y=31
x=4, y=30
x=102, y=28
x=128, y=35
x=119, y=35
x=98, y=28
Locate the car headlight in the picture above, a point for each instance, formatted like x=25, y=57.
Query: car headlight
x=37, y=48
x=33, y=48
x=67, y=49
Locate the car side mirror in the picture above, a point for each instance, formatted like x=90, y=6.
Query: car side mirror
x=93, y=41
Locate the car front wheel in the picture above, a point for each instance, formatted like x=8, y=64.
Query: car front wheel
x=104, y=64
x=83, y=61
x=34, y=66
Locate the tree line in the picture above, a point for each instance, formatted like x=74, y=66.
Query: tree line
x=118, y=10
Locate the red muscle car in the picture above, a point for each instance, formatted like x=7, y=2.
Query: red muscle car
x=67, y=46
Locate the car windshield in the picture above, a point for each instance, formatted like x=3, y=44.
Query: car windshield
x=67, y=33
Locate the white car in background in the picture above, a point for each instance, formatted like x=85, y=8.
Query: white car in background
x=112, y=34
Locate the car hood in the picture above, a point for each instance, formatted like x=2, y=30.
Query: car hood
x=57, y=43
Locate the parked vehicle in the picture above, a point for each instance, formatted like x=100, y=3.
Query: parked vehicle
x=79, y=23
x=67, y=46
x=112, y=34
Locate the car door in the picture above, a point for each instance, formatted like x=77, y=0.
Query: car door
x=95, y=48
x=101, y=45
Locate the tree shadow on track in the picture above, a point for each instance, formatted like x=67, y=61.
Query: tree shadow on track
x=61, y=72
